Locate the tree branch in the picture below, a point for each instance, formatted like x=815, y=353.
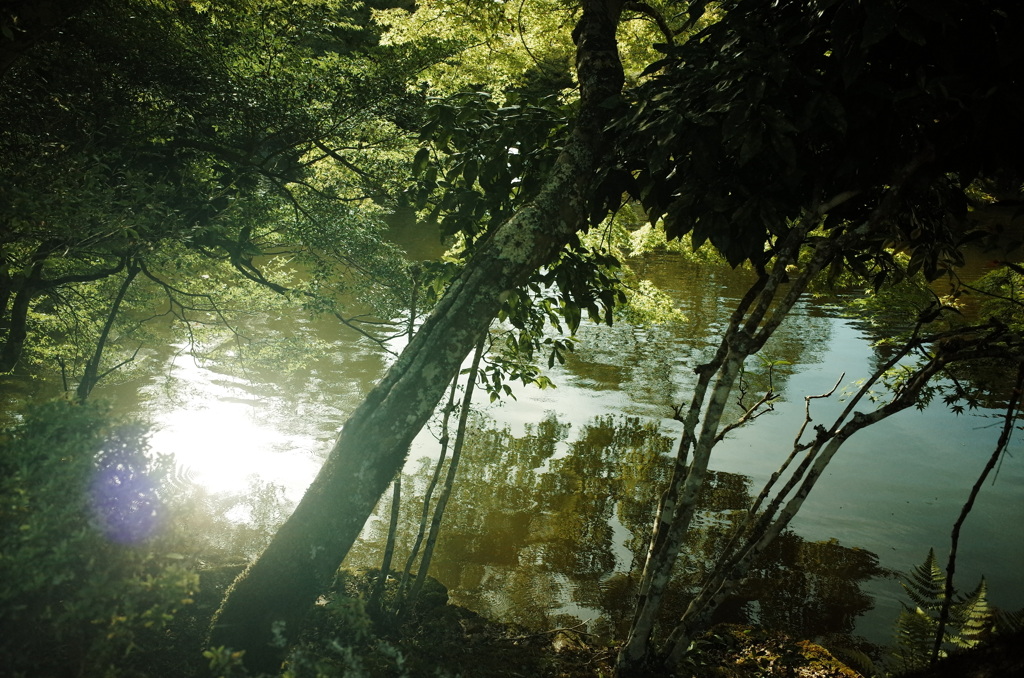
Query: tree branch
x=1004, y=438
x=656, y=16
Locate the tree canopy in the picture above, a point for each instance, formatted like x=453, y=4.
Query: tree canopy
x=791, y=106
x=141, y=128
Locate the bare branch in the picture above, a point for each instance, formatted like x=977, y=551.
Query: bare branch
x=1004, y=437
x=751, y=414
x=351, y=325
x=807, y=408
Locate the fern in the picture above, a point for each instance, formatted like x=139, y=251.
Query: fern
x=970, y=617
x=1010, y=622
x=926, y=584
x=915, y=633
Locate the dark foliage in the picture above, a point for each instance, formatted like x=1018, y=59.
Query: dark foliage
x=782, y=106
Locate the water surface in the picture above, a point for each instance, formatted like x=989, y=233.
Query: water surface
x=558, y=487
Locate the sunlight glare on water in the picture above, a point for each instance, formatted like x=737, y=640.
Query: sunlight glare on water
x=222, y=435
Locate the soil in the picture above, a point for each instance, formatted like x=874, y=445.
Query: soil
x=347, y=636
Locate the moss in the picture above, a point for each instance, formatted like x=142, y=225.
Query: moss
x=731, y=651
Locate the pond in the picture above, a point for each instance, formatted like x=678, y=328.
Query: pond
x=558, y=487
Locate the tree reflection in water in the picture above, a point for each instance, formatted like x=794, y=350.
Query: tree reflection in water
x=545, y=532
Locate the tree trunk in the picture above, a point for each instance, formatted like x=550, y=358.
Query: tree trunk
x=403, y=585
x=747, y=332
x=17, y=328
x=375, y=602
x=1004, y=438
x=449, y=481
x=265, y=607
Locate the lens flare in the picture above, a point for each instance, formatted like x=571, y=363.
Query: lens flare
x=125, y=502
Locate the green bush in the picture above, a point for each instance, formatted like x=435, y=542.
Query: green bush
x=89, y=579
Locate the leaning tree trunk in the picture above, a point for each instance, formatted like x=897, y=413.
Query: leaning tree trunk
x=265, y=607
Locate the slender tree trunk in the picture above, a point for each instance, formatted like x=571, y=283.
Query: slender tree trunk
x=747, y=332
x=6, y=286
x=425, y=513
x=17, y=328
x=266, y=605
x=733, y=567
x=1004, y=439
x=759, y=531
x=449, y=480
x=377, y=594
x=31, y=286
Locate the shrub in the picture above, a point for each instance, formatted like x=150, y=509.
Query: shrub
x=89, y=579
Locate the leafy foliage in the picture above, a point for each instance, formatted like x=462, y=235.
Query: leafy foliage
x=522, y=46
x=480, y=162
x=782, y=107
x=489, y=159
x=89, y=574
x=1003, y=299
x=236, y=130
x=971, y=618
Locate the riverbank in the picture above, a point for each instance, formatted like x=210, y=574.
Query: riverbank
x=345, y=638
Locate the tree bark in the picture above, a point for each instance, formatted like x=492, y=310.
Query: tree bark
x=265, y=607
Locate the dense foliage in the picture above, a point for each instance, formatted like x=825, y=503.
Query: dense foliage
x=90, y=569
x=790, y=106
x=141, y=132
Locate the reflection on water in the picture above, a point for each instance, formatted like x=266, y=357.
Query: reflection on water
x=544, y=538
x=221, y=438
x=551, y=512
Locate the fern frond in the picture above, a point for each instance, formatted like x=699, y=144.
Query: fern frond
x=1009, y=622
x=915, y=632
x=926, y=584
x=856, y=659
x=972, y=618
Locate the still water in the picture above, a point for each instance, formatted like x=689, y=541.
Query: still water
x=557, y=488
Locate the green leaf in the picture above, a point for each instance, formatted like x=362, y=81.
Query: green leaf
x=419, y=163
x=469, y=171
x=573, y=315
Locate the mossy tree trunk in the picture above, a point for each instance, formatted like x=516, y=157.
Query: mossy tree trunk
x=268, y=602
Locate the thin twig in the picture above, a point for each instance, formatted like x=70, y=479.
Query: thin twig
x=551, y=632
x=1004, y=438
x=749, y=415
x=807, y=409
